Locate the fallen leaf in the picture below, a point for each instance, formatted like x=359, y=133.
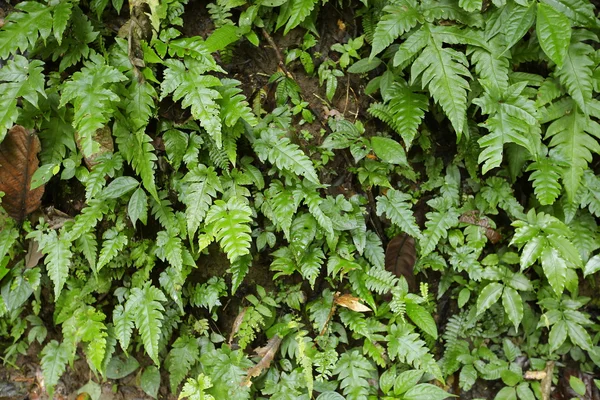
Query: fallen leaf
x=18, y=162
x=33, y=254
x=472, y=218
x=236, y=325
x=351, y=302
x=267, y=353
x=55, y=218
x=103, y=137
x=400, y=258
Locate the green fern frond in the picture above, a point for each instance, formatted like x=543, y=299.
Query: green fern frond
x=20, y=78
x=576, y=71
x=285, y=155
x=283, y=206
x=202, y=186
x=144, y=305
x=140, y=104
x=24, y=28
x=112, y=244
x=87, y=220
x=380, y=280
x=310, y=265
x=572, y=143
x=123, y=325
x=89, y=90
x=437, y=226
x=234, y=105
x=354, y=370
x=181, y=358
x=545, y=178
x=398, y=18
x=187, y=81
x=404, y=111
x=299, y=10
x=230, y=224
x=407, y=347
x=396, y=206
x=513, y=119
x=54, y=364
x=443, y=71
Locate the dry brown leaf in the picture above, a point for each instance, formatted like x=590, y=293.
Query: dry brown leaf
x=267, y=353
x=236, y=325
x=535, y=375
x=400, y=258
x=472, y=218
x=103, y=137
x=18, y=162
x=55, y=218
x=351, y=302
x=33, y=254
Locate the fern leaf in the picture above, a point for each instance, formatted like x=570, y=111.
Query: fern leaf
x=20, y=79
x=313, y=200
x=123, y=323
x=58, y=259
x=194, y=389
x=202, y=188
x=571, y=144
x=374, y=250
x=380, y=280
x=310, y=265
x=60, y=18
x=395, y=205
x=180, y=360
x=470, y=5
x=579, y=11
x=54, y=364
x=275, y=147
x=113, y=244
x=90, y=93
x=576, y=72
x=591, y=198
x=299, y=10
x=145, y=306
x=406, y=346
x=437, y=226
x=87, y=220
x=513, y=119
x=231, y=226
x=283, y=206
x=140, y=104
x=491, y=67
x=234, y=105
x=411, y=47
x=163, y=211
x=404, y=111
x=354, y=370
x=442, y=70
x=398, y=18
x=553, y=30
x=22, y=29
x=169, y=247
x=188, y=83
x=545, y=178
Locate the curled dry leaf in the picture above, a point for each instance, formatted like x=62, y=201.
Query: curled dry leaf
x=103, y=137
x=351, y=302
x=18, y=162
x=472, y=218
x=267, y=353
x=400, y=258
x=236, y=325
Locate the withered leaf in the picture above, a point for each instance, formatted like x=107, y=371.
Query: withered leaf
x=103, y=137
x=237, y=323
x=351, y=302
x=472, y=218
x=400, y=258
x=18, y=162
x=267, y=353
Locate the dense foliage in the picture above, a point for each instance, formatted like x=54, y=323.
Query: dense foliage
x=185, y=194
